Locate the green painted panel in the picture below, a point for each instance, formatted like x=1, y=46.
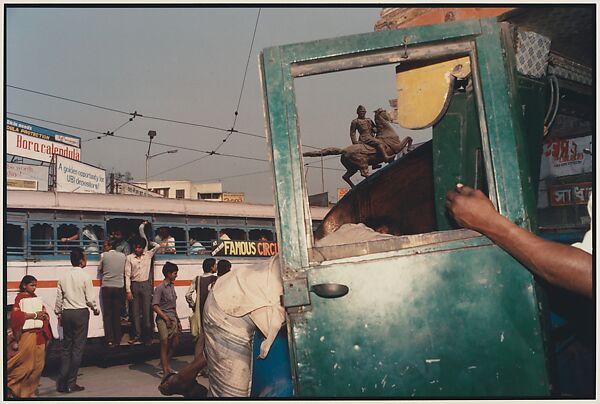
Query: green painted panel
x=456, y=140
x=283, y=139
x=502, y=133
x=443, y=324
x=361, y=43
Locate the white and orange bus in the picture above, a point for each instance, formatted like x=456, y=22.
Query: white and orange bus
x=36, y=222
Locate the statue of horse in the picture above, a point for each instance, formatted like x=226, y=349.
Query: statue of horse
x=358, y=157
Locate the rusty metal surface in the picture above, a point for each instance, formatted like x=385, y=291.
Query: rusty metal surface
x=401, y=192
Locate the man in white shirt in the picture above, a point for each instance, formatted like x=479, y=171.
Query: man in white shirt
x=74, y=294
x=138, y=286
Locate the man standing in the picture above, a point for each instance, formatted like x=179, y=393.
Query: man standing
x=111, y=269
x=138, y=285
x=366, y=133
x=200, y=285
x=74, y=294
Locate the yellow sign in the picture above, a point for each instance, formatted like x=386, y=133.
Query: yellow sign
x=244, y=248
x=13, y=183
x=234, y=197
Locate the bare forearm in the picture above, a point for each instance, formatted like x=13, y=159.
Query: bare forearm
x=559, y=264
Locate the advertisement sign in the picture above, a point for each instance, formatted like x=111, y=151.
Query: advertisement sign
x=234, y=197
x=15, y=183
x=570, y=194
x=75, y=176
x=42, y=133
x=561, y=157
x=244, y=248
x=29, y=172
x=125, y=188
x=38, y=149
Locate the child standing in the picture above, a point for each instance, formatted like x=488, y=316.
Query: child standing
x=164, y=304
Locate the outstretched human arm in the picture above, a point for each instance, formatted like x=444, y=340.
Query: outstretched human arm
x=559, y=264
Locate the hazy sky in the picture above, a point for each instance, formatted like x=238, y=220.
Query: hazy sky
x=184, y=64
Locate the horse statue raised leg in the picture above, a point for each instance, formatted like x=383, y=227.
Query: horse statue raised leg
x=358, y=157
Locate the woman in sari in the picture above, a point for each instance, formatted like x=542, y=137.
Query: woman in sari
x=25, y=367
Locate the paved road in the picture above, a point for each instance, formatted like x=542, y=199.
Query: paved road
x=135, y=380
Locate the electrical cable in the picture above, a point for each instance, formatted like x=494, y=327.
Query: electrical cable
x=134, y=114
x=237, y=108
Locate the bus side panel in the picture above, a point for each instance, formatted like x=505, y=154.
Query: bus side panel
x=443, y=324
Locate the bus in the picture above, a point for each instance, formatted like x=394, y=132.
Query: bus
x=37, y=224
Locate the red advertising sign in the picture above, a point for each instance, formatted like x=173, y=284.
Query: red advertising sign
x=570, y=194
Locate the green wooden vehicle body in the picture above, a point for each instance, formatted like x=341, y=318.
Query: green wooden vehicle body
x=442, y=314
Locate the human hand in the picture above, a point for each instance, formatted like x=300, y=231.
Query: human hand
x=39, y=315
x=96, y=312
x=471, y=208
x=169, y=321
x=15, y=346
x=129, y=296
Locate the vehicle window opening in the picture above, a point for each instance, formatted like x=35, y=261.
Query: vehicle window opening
x=92, y=237
x=68, y=236
x=201, y=239
x=14, y=239
x=233, y=234
x=127, y=227
x=42, y=236
x=171, y=239
x=408, y=193
x=260, y=235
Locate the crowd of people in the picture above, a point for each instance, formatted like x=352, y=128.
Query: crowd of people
x=228, y=306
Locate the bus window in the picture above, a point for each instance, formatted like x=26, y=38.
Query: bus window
x=233, y=234
x=67, y=236
x=201, y=239
x=128, y=229
x=14, y=239
x=260, y=235
x=92, y=237
x=42, y=235
x=171, y=239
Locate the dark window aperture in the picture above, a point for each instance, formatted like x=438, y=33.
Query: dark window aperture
x=14, y=239
x=180, y=194
x=42, y=238
x=260, y=235
x=172, y=239
x=235, y=234
x=200, y=239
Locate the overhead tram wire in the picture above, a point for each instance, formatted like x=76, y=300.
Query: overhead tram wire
x=134, y=114
x=113, y=135
x=237, y=108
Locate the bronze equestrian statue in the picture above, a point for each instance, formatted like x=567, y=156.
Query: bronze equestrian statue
x=359, y=156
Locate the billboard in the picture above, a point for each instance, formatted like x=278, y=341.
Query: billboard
x=570, y=194
x=126, y=188
x=234, y=197
x=15, y=183
x=28, y=172
x=561, y=157
x=75, y=176
x=39, y=143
